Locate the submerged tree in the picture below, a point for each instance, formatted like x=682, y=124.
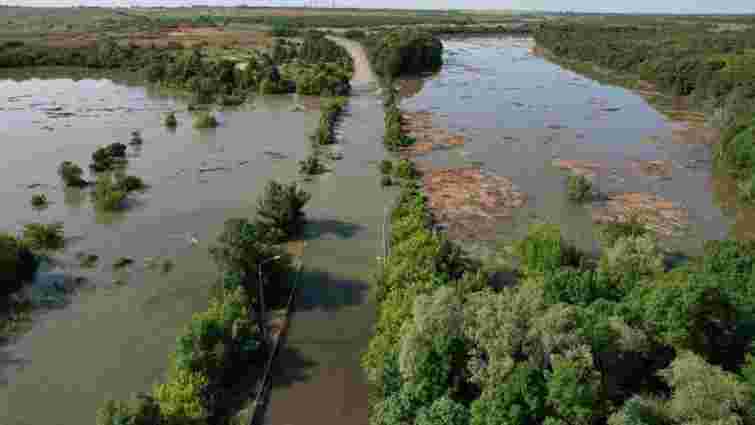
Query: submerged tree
x=279, y=211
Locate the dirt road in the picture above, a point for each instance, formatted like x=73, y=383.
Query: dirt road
x=362, y=71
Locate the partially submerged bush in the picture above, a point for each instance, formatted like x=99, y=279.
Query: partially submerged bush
x=579, y=188
x=312, y=166
x=279, y=210
x=130, y=184
x=170, y=120
x=17, y=264
x=44, y=237
x=136, y=138
x=330, y=111
x=71, y=174
x=406, y=170
x=39, y=201
x=108, y=157
x=386, y=181
x=108, y=196
x=386, y=167
x=204, y=119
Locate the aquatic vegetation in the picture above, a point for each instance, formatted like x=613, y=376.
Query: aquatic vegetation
x=279, y=210
x=17, y=265
x=170, y=120
x=122, y=262
x=204, y=119
x=130, y=184
x=44, y=237
x=579, y=188
x=330, y=112
x=312, y=165
x=108, y=196
x=386, y=167
x=71, y=174
x=108, y=157
x=39, y=201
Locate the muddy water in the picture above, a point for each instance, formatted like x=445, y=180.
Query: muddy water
x=520, y=112
x=115, y=336
x=319, y=377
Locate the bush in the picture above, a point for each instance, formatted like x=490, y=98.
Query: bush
x=579, y=188
x=44, y=237
x=107, y=195
x=130, y=184
x=632, y=227
x=136, y=138
x=405, y=51
x=170, y=120
x=17, y=264
x=311, y=166
x=279, y=211
x=204, y=119
x=405, y=170
x=39, y=201
x=330, y=112
x=386, y=166
x=71, y=174
x=386, y=181
x=108, y=157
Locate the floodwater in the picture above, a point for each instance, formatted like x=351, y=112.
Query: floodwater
x=519, y=113
x=115, y=336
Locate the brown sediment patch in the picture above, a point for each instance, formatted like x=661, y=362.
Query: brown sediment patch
x=652, y=168
x=470, y=201
x=295, y=248
x=419, y=125
x=657, y=214
x=580, y=167
x=684, y=132
x=200, y=36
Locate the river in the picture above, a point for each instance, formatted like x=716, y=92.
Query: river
x=518, y=113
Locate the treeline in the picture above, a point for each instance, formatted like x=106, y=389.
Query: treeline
x=566, y=338
x=220, y=357
x=321, y=67
x=405, y=51
x=712, y=66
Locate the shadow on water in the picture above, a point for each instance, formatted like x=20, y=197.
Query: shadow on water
x=291, y=367
x=320, y=290
x=331, y=229
x=8, y=360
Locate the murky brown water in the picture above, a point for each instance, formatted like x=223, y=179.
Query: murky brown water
x=113, y=340
x=520, y=112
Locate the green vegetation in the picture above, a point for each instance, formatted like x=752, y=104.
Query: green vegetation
x=394, y=138
x=279, y=211
x=71, y=174
x=355, y=34
x=39, y=201
x=405, y=169
x=204, y=119
x=710, y=63
x=108, y=157
x=385, y=167
x=136, y=138
x=312, y=165
x=44, y=237
x=386, y=181
x=110, y=194
x=17, y=265
x=406, y=51
x=170, y=120
x=330, y=111
x=579, y=188
x=122, y=262
x=220, y=356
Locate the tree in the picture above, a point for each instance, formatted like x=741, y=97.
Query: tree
x=443, y=411
x=703, y=393
x=519, y=400
x=279, y=211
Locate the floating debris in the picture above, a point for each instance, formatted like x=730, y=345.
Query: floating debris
x=469, y=201
x=657, y=214
x=419, y=126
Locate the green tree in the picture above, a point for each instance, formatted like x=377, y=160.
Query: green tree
x=443, y=411
x=573, y=387
x=279, y=210
x=519, y=400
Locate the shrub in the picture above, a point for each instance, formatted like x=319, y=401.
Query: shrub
x=107, y=157
x=330, y=111
x=107, y=195
x=279, y=211
x=386, y=166
x=231, y=100
x=386, y=181
x=44, y=237
x=130, y=184
x=39, y=201
x=544, y=251
x=71, y=174
x=311, y=166
x=632, y=227
x=632, y=258
x=579, y=188
x=170, y=120
x=406, y=170
x=204, y=119
x=17, y=264
x=355, y=34
x=136, y=138
x=405, y=51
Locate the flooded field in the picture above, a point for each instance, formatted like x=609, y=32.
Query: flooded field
x=528, y=120
x=115, y=336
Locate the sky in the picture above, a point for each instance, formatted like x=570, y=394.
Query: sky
x=621, y=6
